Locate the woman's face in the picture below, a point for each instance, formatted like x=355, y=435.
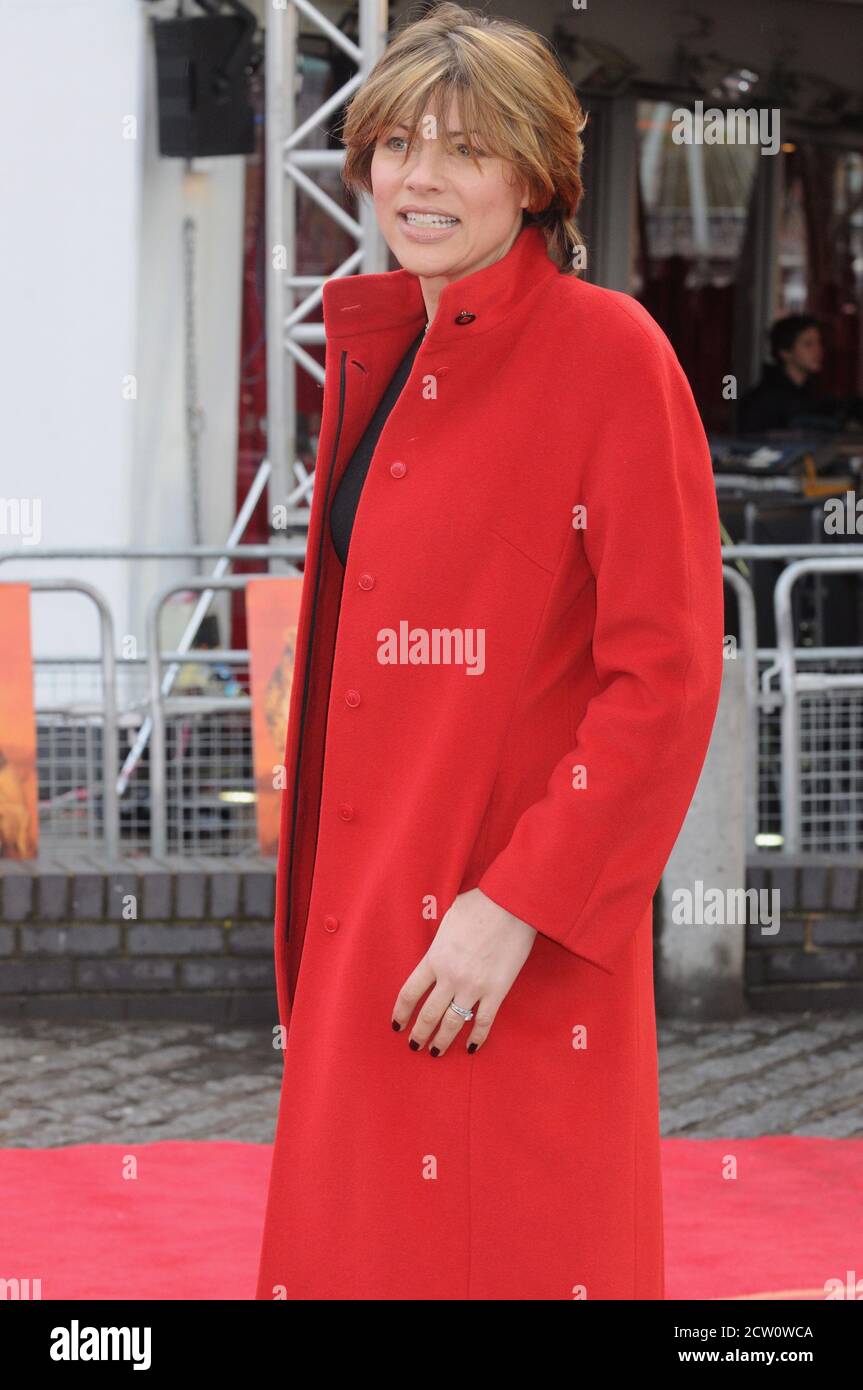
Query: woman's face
x=477, y=211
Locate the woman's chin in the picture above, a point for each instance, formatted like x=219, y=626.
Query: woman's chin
x=428, y=261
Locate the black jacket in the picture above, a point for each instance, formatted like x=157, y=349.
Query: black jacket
x=777, y=403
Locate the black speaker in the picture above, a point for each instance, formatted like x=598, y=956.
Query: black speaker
x=202, y=72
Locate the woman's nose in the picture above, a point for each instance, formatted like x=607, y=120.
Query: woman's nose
x=426, y=166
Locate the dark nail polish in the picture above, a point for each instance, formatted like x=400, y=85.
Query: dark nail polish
x=397, y=1026
x=471, y=1047
x=435, y=1051
x=414, y=1045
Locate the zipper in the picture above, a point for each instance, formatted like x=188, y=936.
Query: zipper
x=310, y=643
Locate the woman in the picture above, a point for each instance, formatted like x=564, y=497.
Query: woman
x=500, y=708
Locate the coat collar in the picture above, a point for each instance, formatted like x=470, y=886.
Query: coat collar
x=358, y=304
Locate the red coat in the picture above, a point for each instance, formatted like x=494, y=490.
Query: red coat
x=530, y=1169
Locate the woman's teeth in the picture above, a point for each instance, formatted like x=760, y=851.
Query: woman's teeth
x=428, y=219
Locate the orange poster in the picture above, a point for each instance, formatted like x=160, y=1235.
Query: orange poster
x=272, y=609
x=19, y=792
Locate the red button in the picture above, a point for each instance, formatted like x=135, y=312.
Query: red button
x=331, y=923
x=398, y=469
x=346, y=811
x=352, y=698
x=366, y=581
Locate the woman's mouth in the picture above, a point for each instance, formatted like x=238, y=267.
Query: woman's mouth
x=427, y=226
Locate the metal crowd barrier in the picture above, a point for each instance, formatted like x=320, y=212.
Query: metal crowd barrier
x=108, y=709
x=828, y=749
x=162, y=705
x=765, y=708
x=795, y=683
x=285, y=550
x=749, y=641
x=106, y=782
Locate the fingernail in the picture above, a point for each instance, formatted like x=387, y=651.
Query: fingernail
x=414, y=1045
x=471, y=1047
x=435, y=1051
x=397, y=1026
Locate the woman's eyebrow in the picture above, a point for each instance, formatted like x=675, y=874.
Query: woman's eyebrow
x=401, y=126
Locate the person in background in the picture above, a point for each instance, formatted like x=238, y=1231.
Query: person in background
x=785, y=397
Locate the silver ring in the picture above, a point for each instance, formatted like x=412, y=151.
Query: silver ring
x=466, y=1014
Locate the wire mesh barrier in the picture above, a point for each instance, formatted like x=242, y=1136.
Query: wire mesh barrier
x=769, y=763
x=831, y=770
x=210, y=793
x=820, y=724
x=69, y=706
x=830, y=761
x=69, y=761
x=178, y=724
x=210, y=784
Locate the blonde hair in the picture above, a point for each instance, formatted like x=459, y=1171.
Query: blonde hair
x=515, y=98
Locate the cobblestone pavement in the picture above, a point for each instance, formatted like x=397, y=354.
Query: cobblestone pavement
x=79, y=1083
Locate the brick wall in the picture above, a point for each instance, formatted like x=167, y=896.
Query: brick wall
x=815, y=961
x=199, y=941
x=184, y=938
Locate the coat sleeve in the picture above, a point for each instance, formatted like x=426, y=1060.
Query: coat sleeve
x=582, y=865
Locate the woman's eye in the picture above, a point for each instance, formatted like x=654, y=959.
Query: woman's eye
x=398, y=144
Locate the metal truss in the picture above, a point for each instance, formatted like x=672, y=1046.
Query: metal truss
x=290, y=173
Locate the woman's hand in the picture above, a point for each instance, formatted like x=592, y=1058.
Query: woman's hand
x=477, y=952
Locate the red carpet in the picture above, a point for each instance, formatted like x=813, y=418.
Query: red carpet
x=188, y=1226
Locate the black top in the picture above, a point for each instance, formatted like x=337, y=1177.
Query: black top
x=778, y=403
x=346, y=500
